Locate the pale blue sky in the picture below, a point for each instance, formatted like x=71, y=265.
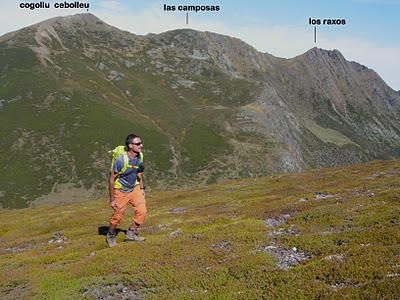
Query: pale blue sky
x=371, y=36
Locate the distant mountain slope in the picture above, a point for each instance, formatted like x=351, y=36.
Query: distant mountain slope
x=208, y=107
x=330, y=233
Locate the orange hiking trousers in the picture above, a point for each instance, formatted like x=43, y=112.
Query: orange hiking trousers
x=136, y=199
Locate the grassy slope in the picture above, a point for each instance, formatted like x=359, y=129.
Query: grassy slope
x=78, y=112
x=217, y=253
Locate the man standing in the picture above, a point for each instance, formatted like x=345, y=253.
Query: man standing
x=126, y=186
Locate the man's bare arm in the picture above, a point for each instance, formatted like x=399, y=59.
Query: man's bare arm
x=142, y=183
x=111, y=187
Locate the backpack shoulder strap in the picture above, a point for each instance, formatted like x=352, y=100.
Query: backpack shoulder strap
x=117, y=184
x=126, y=163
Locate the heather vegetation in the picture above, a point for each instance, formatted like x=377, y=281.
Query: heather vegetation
x=324, y=234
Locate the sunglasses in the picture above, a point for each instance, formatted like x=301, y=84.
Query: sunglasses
x=138, y=144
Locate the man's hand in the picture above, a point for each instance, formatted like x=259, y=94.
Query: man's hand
x=113, y=204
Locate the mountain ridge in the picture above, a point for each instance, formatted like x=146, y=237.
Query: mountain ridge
x=78, y=91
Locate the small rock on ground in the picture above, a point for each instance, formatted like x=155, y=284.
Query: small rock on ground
x=285, y=257
x=221, y=245
x=321, y=195
x=113, y=291
x=277, y=221
x=175, y=234
x=178, y=210
x=58, y=238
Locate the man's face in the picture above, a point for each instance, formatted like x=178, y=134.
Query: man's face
x=137, y=145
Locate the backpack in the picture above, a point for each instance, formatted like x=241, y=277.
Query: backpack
x=117, y=151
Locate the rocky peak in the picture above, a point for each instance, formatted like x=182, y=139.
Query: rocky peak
x=317, y=54
x=79, y=31
x=86, y=21
x=205, y=40
x=234, y=57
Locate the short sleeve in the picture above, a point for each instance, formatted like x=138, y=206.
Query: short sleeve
x=141, y=167
x=118, y=164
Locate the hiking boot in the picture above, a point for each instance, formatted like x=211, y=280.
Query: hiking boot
x=133, y=236
x=111, y=239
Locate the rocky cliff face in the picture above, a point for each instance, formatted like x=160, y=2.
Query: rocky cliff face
x=342, y=104
x=208, y=107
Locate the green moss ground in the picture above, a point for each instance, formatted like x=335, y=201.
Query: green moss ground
x=353, y=237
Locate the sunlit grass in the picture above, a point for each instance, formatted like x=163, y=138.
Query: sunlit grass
x=352, y=237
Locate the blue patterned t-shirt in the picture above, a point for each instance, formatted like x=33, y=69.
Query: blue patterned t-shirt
x=128, y=178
